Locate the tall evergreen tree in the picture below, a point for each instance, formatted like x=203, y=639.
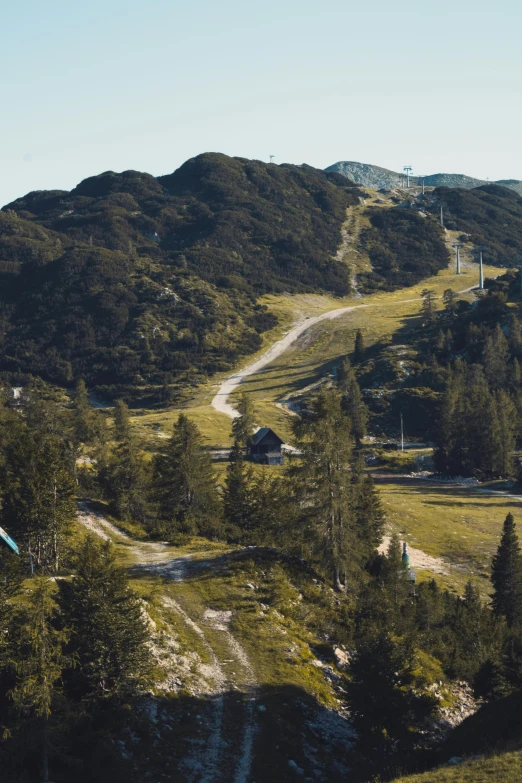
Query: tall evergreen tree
x=428, y=306
x=385, y=708
x=108, y=633
x=506, y=575
x=358, y=347
x=128, y=481
x=352, y=403
x=323, y=487
x=243, y=425
x=122, y=427
x=39, y=501
x=237, y=500
x=185, y=485
x=40, y=662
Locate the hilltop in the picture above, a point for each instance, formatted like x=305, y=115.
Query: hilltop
x=377, y=177
x=147, y=285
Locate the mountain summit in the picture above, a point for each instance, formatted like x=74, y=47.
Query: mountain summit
x=377, y=177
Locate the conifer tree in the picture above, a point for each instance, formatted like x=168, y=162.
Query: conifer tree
x=395, y=572
x=40, y=662
x=353, y=404
x=122, y=427
x=506, y=575
x=495, y=358
x=185, y=485
x=128, y=481
x=243, y=425
x=108, y=634
x=39, y=501
x=358, y=347
x=450, y=299
x=428, y=306
x=237, y=501
x=323, y=489
x=84, y=416
x=384, y=707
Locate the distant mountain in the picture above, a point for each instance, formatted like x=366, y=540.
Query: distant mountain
x=376, y=177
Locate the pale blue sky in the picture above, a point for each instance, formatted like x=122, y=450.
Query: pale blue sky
x=108, y=84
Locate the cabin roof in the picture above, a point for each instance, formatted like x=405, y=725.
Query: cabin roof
x=262, y=432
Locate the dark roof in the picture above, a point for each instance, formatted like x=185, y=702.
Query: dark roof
x=258, y=436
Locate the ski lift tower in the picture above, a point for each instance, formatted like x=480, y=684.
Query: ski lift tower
x=457, y=246
x=480, y=251
x=407, y=170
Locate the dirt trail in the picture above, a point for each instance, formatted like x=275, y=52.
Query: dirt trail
x=220, y=401
x=230, y=384
x=154, y=558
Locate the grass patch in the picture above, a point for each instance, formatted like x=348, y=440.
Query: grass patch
x=506, y=767
x=460, y=525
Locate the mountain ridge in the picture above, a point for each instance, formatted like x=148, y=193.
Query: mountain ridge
x=371, y=176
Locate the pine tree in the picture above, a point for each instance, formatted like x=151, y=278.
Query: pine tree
x=358, y=347
x=243, y=425
x=128, y=481
x=506, y=575
x=323, y=489
x=185, y=485
x=84, y=416
x=108, y=633
x=395, y=572
x=40, y=662
x=122, y=427
x=450, y=299
x=384, y=707
x=237, y=501
x=353, y=404
x=39, y=502
x=476, y=635
x=428, y=306
x=495, y=358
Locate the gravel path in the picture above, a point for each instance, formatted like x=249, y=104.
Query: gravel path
x=230, y=384
x=220, y=401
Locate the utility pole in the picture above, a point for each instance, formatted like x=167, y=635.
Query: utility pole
x=407, y=170
x=457, y=247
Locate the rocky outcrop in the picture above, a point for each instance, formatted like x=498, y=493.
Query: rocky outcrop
x=377, y=177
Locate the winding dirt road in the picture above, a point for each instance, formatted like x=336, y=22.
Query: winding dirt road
x=230, y=384
x=220, y=401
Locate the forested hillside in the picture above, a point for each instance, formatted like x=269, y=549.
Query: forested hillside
x=456, y=378
x=134, y=281
x=491, y=215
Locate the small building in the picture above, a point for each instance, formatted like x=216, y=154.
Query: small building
x=266, y=447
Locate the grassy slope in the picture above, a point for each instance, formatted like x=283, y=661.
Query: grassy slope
x=506, y=767
x=313, y=355
x=458, y=524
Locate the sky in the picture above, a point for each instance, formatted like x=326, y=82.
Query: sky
x=116, y=85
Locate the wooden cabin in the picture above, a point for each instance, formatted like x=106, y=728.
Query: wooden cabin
x=266, y=447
